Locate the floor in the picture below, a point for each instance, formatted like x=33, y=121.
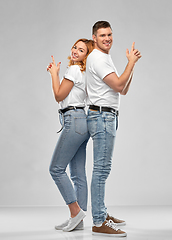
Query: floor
x=37, y=223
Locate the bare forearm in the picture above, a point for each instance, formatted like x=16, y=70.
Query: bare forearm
x=125, y=90
x=127, y=86
x=55, y=84
x=126, y=76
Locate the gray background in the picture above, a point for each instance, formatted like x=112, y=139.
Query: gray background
x=30, y=32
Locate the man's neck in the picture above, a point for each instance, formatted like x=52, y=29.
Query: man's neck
x=101, y=50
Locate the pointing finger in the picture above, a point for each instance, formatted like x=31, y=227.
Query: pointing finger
x=132, y=47
x=53, y=60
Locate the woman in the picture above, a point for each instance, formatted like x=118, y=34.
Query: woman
x=71, y=145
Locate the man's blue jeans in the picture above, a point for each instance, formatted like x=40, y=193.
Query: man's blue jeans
x=102, y=127
x=71, y=149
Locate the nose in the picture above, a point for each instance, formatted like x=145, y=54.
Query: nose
x=74, y=50
x=107, y=38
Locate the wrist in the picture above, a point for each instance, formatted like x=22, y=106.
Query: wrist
x=131, y=62
x=54, y=74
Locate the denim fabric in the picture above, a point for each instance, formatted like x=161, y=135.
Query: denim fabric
x=102, y=128
x=71, y=149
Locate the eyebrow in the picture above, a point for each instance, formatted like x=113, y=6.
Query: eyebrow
x=82, y=49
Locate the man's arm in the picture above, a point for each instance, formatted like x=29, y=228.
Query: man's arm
x=121, y=84
x=127, y=86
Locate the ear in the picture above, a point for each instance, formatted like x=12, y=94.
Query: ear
x=94, y=38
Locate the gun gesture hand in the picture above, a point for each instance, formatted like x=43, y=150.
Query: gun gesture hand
x=134, y=54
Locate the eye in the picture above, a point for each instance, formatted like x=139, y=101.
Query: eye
x=81, y=50
x=75, y=47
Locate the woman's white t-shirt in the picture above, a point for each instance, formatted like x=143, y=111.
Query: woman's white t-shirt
x=77, y=95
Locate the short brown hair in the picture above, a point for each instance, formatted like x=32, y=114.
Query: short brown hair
x=100, y=24
x=90, y=47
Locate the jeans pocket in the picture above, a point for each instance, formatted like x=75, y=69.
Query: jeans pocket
x=111, y=124
x=81, y=125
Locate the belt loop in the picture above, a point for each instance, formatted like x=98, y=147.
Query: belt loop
x=74, y=108
x=100, y=109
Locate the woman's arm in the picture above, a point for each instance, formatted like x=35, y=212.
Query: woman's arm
x=62, y=90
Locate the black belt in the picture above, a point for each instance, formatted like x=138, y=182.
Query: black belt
x=104, y=109
x=69, y=108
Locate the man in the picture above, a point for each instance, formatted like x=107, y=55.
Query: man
x=104, y=87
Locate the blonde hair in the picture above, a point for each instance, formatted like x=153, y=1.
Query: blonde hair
x=90, y=46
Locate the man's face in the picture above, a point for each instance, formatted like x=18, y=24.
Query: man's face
x=103, y=39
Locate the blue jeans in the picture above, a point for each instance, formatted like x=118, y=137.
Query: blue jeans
x=102, y=127
x=71, y=149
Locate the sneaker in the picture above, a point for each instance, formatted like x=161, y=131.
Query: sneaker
x=80, y=226
x=61, y=226
x=73, y=222
x=108, y=228
x=116, y=220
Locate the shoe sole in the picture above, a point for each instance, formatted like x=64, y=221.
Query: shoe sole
x=121, y=224
x=61, y=228
x=76, y=228
x=110, y=235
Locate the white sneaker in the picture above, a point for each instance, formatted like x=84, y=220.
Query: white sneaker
x=73, y=222
x=61, y=226
x=80, y=226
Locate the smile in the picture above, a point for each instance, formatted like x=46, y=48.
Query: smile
x=107, y=43
x=74, y=56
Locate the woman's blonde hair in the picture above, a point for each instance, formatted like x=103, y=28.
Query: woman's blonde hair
x=90, y=47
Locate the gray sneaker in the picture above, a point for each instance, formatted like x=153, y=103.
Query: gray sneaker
x=61, y=226
x=73, y=222
x=80, y=226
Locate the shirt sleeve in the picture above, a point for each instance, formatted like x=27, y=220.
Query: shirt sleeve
x=102, y=67
x=73, y=73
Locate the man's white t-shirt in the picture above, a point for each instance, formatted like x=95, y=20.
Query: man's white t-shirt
x=98, y=66
x=77, y=95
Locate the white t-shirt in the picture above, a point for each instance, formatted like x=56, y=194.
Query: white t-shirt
x=98, y=66
x=77, y=95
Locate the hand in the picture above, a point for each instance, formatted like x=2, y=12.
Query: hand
x=134, y=54
x=52, y=68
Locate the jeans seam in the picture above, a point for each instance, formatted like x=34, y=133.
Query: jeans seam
x=62, y=142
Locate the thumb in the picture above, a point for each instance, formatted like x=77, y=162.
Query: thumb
x=127, y=52
x=58, y=65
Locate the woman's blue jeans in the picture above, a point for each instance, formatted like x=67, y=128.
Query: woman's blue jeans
x=71, y=149
x=102, y=127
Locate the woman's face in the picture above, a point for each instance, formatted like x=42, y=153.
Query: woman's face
x=78, y=52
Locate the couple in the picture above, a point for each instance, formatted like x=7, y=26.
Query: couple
x=90, y=70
